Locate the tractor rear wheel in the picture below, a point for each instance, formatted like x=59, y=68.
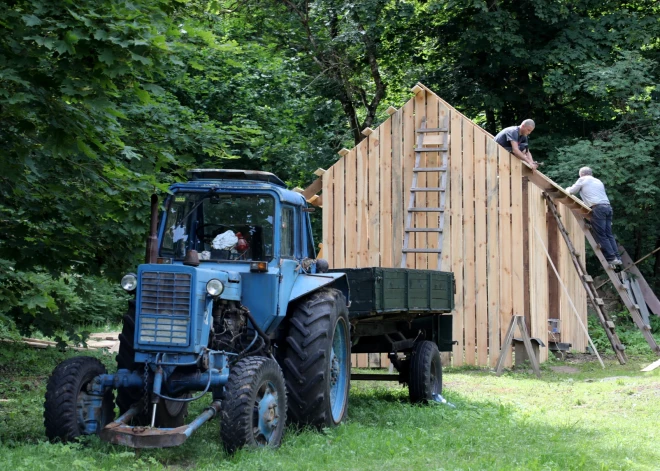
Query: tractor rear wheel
x=254, y=409
x=169, y=414
x=317, y=359
x=425, y=379
x=68, y=404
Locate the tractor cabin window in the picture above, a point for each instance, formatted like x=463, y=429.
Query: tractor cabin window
x=220, y=227
x=287, y=249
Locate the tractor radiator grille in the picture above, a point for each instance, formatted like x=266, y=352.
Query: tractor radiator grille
x=165, y=307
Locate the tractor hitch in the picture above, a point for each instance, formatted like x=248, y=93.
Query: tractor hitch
x=120, y=433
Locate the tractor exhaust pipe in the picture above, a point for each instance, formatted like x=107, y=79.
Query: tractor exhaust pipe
x=152, y=241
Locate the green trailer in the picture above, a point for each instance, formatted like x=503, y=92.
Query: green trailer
x=406, y=314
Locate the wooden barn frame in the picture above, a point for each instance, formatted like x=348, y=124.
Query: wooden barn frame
x=496, y=228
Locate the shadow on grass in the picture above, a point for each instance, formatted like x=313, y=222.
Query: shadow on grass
x=383, y=431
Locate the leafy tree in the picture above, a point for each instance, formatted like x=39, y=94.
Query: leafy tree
x=346, y=48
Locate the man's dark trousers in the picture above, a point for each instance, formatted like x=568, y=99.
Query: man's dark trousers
x=601, y=225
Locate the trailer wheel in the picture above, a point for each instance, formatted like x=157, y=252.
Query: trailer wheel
x=317, y=359
x=254, y=411
x=169, y=414
x=425, y=372
x=67, y=405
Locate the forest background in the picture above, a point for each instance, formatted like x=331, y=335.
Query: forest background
x=103, y=102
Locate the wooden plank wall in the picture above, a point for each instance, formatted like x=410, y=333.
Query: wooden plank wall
x=365, y=196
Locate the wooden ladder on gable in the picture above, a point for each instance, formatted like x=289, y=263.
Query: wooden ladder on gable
x=428, y=140
x=588, y=283
x=618, y=279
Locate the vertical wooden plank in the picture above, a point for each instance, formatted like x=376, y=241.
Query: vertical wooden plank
x=432, y=180
x=538, y=268
x=328, y=238
x=526, y=239
x=581, y=242
x=386, y=194
x=542, y=276
x=581, y=304
x=339, y=216
x=554, y=289
x=517, y=243
x=362, y=204
x=421, y=259
x=456, y=162
x=481, y=241
x=384, y=360
x=374, y=201
x=469, y=279
x=566, y=314
x=350, y=205
x=443, y=122
x=525, y=247
x=493, y=249
x=506, y=302
x=398, y=215
x=408, y=164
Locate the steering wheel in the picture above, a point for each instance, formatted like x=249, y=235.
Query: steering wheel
x=208, y=238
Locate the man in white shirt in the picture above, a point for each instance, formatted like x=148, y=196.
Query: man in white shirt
x=592, y=192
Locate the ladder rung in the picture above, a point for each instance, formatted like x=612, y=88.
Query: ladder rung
x=427, y=189
x=423, y=229
x=588, y=279
x=433, y=130
x=430, y=169
x=599, y=301
x=610, y=324
x=430, y=149
x=422, y=250
x=426, y=210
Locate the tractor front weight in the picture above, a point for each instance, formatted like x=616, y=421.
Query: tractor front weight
x=164, y=384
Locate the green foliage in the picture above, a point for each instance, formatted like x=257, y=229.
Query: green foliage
x=627, y=332
x=56, y=306
x=104, y=102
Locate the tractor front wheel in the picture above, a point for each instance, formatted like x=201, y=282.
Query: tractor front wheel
x=69, y=409
x=317, y=359
x=254, y=411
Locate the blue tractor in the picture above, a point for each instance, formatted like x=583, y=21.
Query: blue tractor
x=231, y=302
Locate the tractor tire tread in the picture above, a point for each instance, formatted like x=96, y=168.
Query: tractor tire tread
x=306, y=356
x=236, y=413
x=60, y=408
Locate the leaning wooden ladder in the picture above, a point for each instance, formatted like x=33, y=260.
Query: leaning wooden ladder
x=588, y=283
x=425, y=138
x=615, y=278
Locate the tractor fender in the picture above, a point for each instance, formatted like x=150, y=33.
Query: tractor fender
x=308, y=283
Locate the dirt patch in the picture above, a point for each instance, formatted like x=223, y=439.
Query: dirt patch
x=565, y=369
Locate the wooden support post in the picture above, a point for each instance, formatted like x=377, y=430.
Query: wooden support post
x=508, y=342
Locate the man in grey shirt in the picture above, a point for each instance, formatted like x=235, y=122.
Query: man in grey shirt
x=592, y=192
x=514, y=139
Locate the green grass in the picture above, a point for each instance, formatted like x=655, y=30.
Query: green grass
x=595, y=419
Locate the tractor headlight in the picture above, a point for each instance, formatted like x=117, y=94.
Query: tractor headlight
x=215, y=287
x=129, y=282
